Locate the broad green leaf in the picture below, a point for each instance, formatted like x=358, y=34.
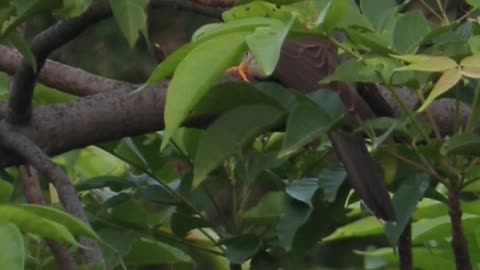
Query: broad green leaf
x=424, y=258
x=209, y=31
x=73, y=224
x=129, y=151
x=353, y=71
x=131, y=17
x=269, y=210
x=229, y=134
x=115, y=183
x=6, y=191
x=149, y=252
x=226, y=96
x=22, y=46
x=121, y=241
x=168, y=65
x=412, y=58
x=461, y=144
x=405, y=40
x=474, y=44
x=474, y=3
x=329, y=181
x=12, y=252
x=192, y=79
x=305, y=123
x=438, y=228
x=242, y=248
x=186, y=139
x=30, y=222
x=73, y=8
x=432, y=64
x=330, y=102
x=405, y=202
x=378, y=12
x=448, y=80
x=295, y=216
x=332, y=14
x=364, y=227
x=471, y=66
x=371, y=41
x=303, y=190
x=265, y=43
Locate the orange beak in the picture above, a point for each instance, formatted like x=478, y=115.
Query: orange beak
x=241, y=70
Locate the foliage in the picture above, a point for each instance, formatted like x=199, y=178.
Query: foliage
x=258, y=186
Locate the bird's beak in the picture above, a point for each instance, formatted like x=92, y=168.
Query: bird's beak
x=241, y=71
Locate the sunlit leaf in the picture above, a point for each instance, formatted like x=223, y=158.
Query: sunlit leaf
x=131, y=17
x=12, y=253
x=448, y=79
x=6, y=191
x=471, y=66
x=192, y=79
x=73, y=224
x=431, y=64
x=364, y=227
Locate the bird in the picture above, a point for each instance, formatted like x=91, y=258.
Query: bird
x=303, y=62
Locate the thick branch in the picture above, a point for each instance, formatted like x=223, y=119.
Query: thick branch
x=20, y=103
x=68, y=79
x=35, y=156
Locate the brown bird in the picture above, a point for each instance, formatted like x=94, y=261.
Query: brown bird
x=304, y=61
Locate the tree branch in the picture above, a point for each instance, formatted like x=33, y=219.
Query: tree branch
x=33, y=155
x=33, y=194
x=20, y=103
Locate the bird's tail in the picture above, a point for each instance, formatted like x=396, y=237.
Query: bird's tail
x=364, y=174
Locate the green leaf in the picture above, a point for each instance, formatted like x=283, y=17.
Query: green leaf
x=448, y=80
x=471, y=67
x=242, y=248
x=30, y=222
x=12, y=252
x=168, y=65
x=296, y=215
x=438, y=228
x=303, y=190
x=115, y=183
x=187, y=139
x=73, y=224
x=474, y=3
x=406, y=40
x=306, y=122
x=6, y=191
x=405, y=202
x=265, y=43
x=131, y=17
x=330, y=181
x=268, y=210
x=353, y=71
x=474, y=44
x=461, y=144
x=72, y=8
x=332, y=14
x=192, y=79
x=364, y=227
x=149, y=252
x=378, y=12
x=157, y=193
x=229, y=134
x=431, y=64
x=226, y=96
